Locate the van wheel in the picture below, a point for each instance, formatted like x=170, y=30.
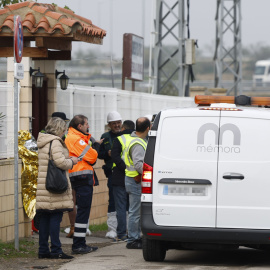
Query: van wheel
x=153, y=250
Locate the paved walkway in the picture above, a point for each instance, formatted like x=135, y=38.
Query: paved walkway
x=118, y=257
x=89, y=239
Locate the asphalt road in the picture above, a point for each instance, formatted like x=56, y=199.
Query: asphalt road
x=118, y=257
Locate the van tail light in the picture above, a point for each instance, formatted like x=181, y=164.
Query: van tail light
x=154, y=234
x=147, y=179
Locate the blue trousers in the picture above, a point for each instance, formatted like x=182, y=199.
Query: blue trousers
x=50, y=226
x=84, y=196
x=134, y=217
x=121, y=206
x=111, y=206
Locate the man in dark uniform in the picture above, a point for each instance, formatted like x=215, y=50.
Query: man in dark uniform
x=114, y=120
x=118, y=180
x=82, y=178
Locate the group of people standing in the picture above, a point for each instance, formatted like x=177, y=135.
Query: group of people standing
x=122, y=149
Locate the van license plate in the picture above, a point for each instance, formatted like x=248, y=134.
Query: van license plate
x=172, y=190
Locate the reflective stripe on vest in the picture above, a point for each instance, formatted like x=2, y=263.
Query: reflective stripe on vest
x=80, y=157
x=80, y=173
x=130, y=169
x=83, y=153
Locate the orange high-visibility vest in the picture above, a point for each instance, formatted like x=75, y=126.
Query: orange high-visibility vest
x=77, y=144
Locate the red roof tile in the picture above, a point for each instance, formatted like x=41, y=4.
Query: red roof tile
x=39, y=9
x=8, y=23
x=3, y=11
x=64, y=10
x=47, y=18
x=54, y=15
x=43, y=23
x=83, y=19
x=60, y=27
x=29, y=18
x=31, y=4
x=17, y=6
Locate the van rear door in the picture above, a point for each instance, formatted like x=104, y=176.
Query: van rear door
x=244, y=171
x=185, y=168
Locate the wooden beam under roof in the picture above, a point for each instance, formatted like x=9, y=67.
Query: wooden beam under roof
x=37, y=53
x=56, y=55
x=54, y=43
x=56, y=38
x=8, y=42
x=27, y=52
x=33, y=36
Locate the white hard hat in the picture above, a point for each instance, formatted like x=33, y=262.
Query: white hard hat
x=113, y=116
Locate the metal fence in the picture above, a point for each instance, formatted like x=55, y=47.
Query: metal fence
x=94, y=102
x=97, y=102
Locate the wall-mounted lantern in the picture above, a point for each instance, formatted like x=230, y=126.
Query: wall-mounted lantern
x=63, y=79
x=38, y=77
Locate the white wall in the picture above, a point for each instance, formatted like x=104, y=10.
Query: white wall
x=93, y=102
x=7, y=129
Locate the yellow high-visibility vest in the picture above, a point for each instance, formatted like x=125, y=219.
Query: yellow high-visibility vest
x=123, y=141
x=130, y=170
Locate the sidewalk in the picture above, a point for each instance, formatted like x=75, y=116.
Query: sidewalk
x=68, y=241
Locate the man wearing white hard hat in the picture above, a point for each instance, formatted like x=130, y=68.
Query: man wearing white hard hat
x=114, y=120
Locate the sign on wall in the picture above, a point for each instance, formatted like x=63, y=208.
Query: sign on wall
x=18, y=71
x=133, y=57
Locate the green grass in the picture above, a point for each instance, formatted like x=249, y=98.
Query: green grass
x=26, y=249
x=94, y=228
x=98, y=228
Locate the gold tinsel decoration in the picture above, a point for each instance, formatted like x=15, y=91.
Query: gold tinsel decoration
x=29, y=173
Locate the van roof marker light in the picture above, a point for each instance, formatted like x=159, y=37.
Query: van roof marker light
x=223, y=105
x=219, y=109
x=239, y=100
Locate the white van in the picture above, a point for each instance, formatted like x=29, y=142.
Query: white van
x=206, y=179
x=261, y=76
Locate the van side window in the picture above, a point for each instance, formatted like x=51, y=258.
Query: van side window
x=259, y=70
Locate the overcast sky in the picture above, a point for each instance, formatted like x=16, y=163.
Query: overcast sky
x=126, y=16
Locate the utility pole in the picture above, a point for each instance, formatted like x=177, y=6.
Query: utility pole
x=228, y=57
x=169, y=67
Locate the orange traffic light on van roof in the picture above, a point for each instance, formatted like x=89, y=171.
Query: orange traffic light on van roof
x=239, y=100
x=260, y=101
x=207, y=100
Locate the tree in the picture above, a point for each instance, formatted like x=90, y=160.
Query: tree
x=9, y=2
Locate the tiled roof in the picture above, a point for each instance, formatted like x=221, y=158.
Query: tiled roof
x=40, y=19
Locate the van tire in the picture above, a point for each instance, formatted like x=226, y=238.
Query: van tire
x=153, y=250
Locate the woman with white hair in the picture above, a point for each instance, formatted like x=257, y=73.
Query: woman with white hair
x=49, y=205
